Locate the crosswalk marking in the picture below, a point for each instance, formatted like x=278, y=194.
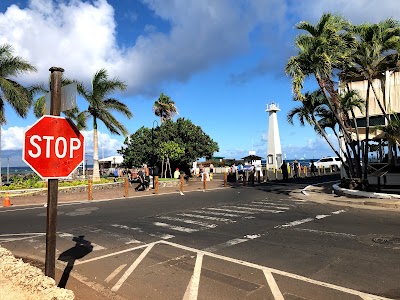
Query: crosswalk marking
x=207, y=218
x=266, y=206
x=258, y=209
x=215, y=213
x=163, y=236
x=232, y=210
x=176, y=228
x=188, y=221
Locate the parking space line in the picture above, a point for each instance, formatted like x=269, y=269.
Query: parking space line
x=363, y=295
x=114, y=273
x=276, y=292
x=193, y=288
x=132, y=268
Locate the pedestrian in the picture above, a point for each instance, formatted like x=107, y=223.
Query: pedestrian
x=176, y=173
x=142, y=185
x=211, y=168
x=146, y=172
x=296, y=169
x=116, y=174
x=313, y=168
x=284, y=169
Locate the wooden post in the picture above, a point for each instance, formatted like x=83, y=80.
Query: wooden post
x=225, y=179
x=182, y=182
x=204, y=181
x=52, y=190
x=126, y=187
x=156, y=184
x=90, y=190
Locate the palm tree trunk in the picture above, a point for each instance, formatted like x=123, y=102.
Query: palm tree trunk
x=378, y=101
x=96, y=171
x=365, y=154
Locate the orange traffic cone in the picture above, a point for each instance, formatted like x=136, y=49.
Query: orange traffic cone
x=7, y=201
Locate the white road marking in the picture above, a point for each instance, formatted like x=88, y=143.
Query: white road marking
x=295, y=223
x=207, y=218
x=272, y=203
x=132, y=268
x=274, y=211
x=272, y=285
x=283, y=273
x=163, y=236
x=115, y=273
x=4, y=238
x=80, y=262
x=176, y=228
x=252, y=236
x=133, y=242
x=338, y=212
x=96, y=247
x=192, y=291
x=226, y=244
x=188, y=221
x=327, y=232
x=214, y=213
x=322, y=216
x=257, y=204
x=232, y=210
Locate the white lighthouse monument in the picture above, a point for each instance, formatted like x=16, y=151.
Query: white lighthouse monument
x=274, y=151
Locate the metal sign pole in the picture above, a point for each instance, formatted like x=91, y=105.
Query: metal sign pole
x=52, y=190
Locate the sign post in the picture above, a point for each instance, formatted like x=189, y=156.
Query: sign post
x=53, y=148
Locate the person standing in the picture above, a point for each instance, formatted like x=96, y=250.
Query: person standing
x=146, y=177
x=296, y=169
x=177, y=173
x=313, y=169
x=284, y=169
x=141, y=178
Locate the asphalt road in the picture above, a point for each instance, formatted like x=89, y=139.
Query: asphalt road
x=238, y=243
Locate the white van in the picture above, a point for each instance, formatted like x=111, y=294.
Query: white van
x=329, y=161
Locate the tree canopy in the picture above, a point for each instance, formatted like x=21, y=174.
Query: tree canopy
x=140, y=146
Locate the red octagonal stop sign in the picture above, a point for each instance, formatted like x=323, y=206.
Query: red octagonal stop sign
x=53, y=147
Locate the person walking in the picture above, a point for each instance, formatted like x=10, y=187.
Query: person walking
x=313, y=169
x=142, y=184
x=146, y=172
x=296, y=169
x=284, y=169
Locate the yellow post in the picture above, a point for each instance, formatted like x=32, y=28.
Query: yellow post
x=305, y=171
x=156, y=184
x=204, y=181
x=126, y=186
x=90, y=190
x=181, y=185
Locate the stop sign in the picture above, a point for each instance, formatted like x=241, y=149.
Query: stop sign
x=53, y=147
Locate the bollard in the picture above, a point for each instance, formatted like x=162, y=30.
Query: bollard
x=204, y=182
x=126, y=187
x=156, y=184
x=90, y=190
x=225, y=179
x=245, y=178
x=276, y=174
x=181, y=185
x=305, y=171
x=258, y=176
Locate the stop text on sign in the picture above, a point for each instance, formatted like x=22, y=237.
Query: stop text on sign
x=60, y=145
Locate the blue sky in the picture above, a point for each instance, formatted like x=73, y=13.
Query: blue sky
x=220, y=61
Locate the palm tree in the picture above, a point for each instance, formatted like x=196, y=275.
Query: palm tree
x=326, y=47
x=164, y=108
x=11, y=91
x=311, y=106
x=101, y=106
x=376, y=52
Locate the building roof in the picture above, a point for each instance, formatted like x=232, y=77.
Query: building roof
x=118, y=159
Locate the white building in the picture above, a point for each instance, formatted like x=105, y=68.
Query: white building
x=274, y=150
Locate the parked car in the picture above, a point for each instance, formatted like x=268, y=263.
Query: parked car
x=329, y=161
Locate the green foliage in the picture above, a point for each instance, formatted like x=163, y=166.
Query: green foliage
x=140, y=146
x=171, y=150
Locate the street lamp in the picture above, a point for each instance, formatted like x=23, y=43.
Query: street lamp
x=152, y=150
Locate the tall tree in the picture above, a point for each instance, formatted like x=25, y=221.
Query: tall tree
x=164, y=108
x=12, y=92
x=325, y=48
x=101, y=108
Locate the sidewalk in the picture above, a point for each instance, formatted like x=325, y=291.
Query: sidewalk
x=331, y=193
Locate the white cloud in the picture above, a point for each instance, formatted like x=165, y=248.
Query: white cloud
x=12, y=138
x=81, y=38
